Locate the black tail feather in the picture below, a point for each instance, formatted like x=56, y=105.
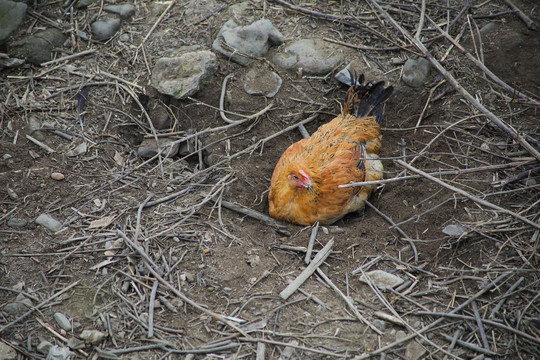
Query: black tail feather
x=366, y=99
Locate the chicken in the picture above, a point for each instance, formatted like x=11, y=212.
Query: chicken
x=304, y=187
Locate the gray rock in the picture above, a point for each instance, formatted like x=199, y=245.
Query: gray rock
x=34, y=125
x=343, y=76
x=254, y=39
x=160, y=116
x=400, y=335
x=49, y=222
x=79, y=150
x=149, y=148
x=380, y=324
x=63, y=321
x=7, y=62
x=414, y=351
x=12, y=194
x=93, y=336
x=416, y=72
x=313, y=56
x=7, y=352
x=75, y=344
x=81, y=4
x=123, y=10
x=43, y=347
x=18, y=223
x=37, y=48
x=184, y=75
x=382, y=279
x=104, y=29
x=262, y=82
x=454, y=230
x=11, y=16
x=19, y=306
x=488, y=28
x=59, y=353
x=124, y=37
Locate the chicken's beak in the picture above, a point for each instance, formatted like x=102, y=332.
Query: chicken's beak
x=308, y=185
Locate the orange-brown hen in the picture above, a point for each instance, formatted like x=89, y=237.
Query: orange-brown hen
x=305, y=182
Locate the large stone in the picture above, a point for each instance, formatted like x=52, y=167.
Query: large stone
x=313, y=56
x=37, y=48
x=11, y=16
x=7, y=352
x=184, y=75
x=122, y=10
x=416, y=72
x=253, y=40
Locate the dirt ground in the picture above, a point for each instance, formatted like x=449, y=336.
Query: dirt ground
x=233, y=265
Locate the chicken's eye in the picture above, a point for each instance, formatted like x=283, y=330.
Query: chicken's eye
x=295, y=178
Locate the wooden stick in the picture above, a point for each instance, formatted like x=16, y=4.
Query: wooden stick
x=440, y=173
x=69, y=57
x=40, y=144
x=312, y=238
x=501, y=124
x=308, y=271
x=467, y=195
x=251, y=213
x=530, y=24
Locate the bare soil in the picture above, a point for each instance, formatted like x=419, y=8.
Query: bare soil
x=232, y=264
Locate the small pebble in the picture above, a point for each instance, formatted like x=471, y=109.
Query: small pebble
x=379, y=324
x=454, y=230
x=12, y=194
x=15, y=222
x=43, y=347
x=49, y=222
x=63, y=321
x=105, y=29
x=57, y=176
x=6, y=156
x=75, y=344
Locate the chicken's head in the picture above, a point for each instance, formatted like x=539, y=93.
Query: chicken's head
x=300, y=180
